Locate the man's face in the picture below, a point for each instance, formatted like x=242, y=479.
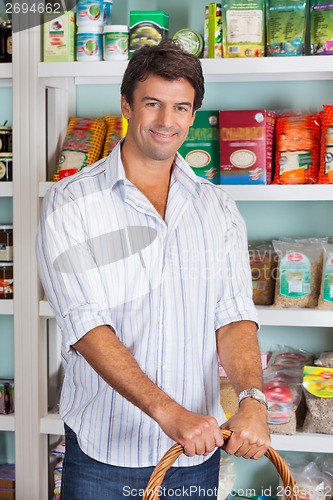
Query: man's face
x=160, y=116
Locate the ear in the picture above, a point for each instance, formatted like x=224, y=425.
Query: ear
x=125, y=108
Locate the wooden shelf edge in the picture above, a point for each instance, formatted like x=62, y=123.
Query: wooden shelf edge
x=7, y=422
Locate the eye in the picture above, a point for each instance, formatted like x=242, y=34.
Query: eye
x=152, y=104
x=182, y=109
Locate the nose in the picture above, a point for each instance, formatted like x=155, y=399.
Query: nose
x=166, y=116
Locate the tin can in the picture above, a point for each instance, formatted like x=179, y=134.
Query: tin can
x=6, y=280
x=6, y=242
x=6, y=139
x=115, y=42
x=6, y=167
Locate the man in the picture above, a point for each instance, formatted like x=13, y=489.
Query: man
x=146, y=267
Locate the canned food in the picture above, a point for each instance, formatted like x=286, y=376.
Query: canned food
x=6, y=139
x=6, y=242
x=6, y=280
x=6, y=167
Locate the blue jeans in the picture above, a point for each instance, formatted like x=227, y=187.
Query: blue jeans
x=83, y=478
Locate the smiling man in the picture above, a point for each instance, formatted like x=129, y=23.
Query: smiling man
x=146, y=268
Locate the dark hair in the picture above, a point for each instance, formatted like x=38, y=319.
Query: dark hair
x=168, y=60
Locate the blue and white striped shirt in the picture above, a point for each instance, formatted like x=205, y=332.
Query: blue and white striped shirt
x=106, y=256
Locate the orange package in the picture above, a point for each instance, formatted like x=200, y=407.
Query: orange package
x=82, y=146
x=297, y=149
x=326, y=152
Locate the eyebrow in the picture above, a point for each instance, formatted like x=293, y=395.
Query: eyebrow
x=185, y=103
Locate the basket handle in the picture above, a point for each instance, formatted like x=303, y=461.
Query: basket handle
x=158, y=474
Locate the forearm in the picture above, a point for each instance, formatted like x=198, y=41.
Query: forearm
x=239, y=353
x=117, y=366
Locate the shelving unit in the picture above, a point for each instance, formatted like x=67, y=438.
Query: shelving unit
x=6, y=189
x=7, y=307
x=7, y=423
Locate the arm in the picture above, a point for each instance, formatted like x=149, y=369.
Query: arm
x=239, y=354
x=199, y=434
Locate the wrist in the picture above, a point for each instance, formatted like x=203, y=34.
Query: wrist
x=254, y=395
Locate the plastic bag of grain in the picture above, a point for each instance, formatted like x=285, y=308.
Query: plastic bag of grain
x=325, y=359
x=326, y=289
x=263, y=263
x=299, y=273
x=318, y=390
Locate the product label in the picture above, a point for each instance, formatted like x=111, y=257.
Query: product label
x=328, y=280
x=2, y=170
x=286, y=31
x=115, y=46
x=322, y=29
x=6, y=286
x=244, y=26
x=318, y=381
x=6, y=252
x=295, y=275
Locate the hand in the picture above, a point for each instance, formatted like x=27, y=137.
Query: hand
x=198, y=434
x=250, y=434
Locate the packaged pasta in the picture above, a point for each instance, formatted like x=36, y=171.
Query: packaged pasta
x=299, y=273
x=326, y=152
x=321, y=28
x=263, y=262
x=326, y=289
x=297, y=149
x=115, y=130
x=82, y=146
x=285, y=27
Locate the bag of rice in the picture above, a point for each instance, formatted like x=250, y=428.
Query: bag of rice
x=263, y=262
x=326, y=289
x=326, y=154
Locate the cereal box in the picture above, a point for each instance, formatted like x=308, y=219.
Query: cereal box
x=201, y=147
x=246, y=143
x=59, y=34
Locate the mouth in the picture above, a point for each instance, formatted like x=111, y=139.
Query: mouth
x=162, y=136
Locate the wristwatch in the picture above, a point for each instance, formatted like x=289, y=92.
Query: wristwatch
x=255, y=394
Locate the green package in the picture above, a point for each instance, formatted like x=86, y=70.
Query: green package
x=321, y=27
x=243, y=27
x=201, y=148
x=285, y=27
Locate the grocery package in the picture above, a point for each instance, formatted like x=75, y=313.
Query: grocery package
x=82, y=146
x=325, y=300
x=325, y=359
x=59, y=34
x=201, y=146
x=89, y=43
x=285, y=27
x=227, y=477
x=263, y=263
x=115, y=42
x=215, y=30
x=246, y=144
x=147, y=27
x=190, y=40
x=318, y=390
x=243, y=26
x=228, y=397
x=297, y=149
x=299, y=273
x=115, y=130
x=321, y=27
x=283, y=389
x=7, y=481
x=313, y=477
x=326, y=152
x=6, y=396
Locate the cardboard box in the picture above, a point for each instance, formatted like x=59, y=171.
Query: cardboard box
x=59, y=37
x=147, y=27
x=201, y=147
x=246, y=144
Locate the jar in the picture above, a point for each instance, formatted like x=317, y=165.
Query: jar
x=115, y=42
x=90, y=13
x=6, y=242
x=107, y=11
x=89, y=43
x=6, y=139
x=6, y=280
x=7, y=41
x=6, y=167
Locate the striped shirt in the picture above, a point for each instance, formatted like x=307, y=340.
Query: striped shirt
x=106, y=256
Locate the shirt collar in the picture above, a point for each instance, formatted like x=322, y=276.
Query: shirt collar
x=181, y=171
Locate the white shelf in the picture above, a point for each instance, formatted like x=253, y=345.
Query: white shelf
x=308, y=192
x=7, y=423
x=51, y=424
x=268, y=315
x=6, y=189
x=215, y=70
x=6, y=306
x=301, y=441
x=6, y=74
x=319, y=443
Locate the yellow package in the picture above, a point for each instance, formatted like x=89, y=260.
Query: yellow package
x=116, y=127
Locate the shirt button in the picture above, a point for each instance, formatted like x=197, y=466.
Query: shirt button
x=164, y=367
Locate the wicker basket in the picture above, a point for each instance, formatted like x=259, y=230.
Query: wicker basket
x=156, y=479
